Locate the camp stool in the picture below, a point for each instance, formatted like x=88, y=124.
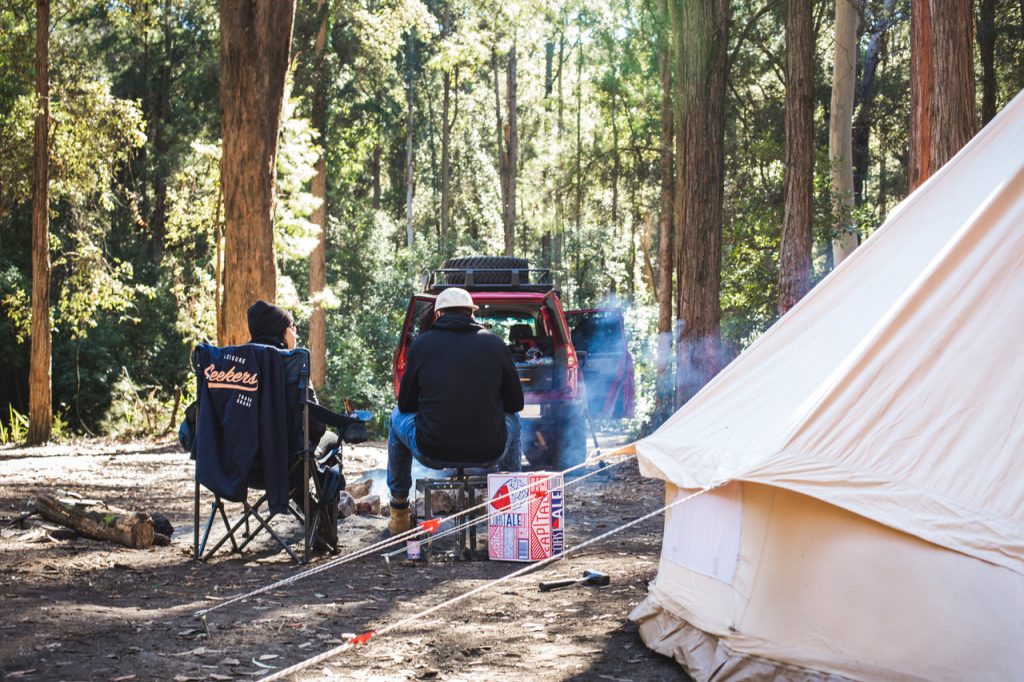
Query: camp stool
x=468, y=492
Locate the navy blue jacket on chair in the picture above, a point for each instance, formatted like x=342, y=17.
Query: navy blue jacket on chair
x=243, y=422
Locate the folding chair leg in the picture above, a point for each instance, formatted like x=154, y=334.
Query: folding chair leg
x=266, y=526
x=218, y=506
x=206, y=532
x=305, y=501
x=196, y=556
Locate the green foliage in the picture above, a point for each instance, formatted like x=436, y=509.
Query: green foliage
x=16, y=430
x=14, y=297
x=137, y=410
x=135, y=195
x=189, y=260
x=295, y=236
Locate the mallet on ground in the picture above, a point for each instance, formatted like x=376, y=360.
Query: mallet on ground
x=590, y=578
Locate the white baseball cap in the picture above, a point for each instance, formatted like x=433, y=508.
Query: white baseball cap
x=454, y=298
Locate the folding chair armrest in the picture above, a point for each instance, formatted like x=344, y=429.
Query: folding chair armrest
x=325, y=416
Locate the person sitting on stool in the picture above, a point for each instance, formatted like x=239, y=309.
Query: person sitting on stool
x=458, y=402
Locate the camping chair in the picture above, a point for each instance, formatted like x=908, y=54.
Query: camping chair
x=252, y=426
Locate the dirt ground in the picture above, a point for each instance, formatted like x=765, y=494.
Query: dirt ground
x=78, y=609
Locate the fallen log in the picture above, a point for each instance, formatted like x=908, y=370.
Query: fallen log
x=131, y=529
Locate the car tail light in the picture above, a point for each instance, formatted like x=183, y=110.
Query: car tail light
x=399, y=369
x=572, y=366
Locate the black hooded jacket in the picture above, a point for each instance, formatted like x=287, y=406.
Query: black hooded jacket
x=460, y=381
x=317, y=429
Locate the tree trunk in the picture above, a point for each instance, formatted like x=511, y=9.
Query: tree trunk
x=511, y=151
x=665, y=393
x=699, y=191
x=435, y=210
x=578, y=226
x=646, y=250
x=218, y=264
x=634, y=223
x=559, y=245
x=255, y=45
x=131, y=529
x=40, y=408
x=410, y=234
x=504, y=168
x=375, y=174
x=865, y=98
x=941, y=85
x=616, y=166
x=678, y=116
x=161, y=140
x=795, y=250
x=318, y=260
x=987, y=48
x=446, y=134
x=840, y=130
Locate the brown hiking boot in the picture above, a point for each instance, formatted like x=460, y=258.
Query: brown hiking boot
x=401, y=520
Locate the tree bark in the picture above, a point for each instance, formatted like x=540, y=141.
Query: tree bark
x=446, y=134
x=40, y=407
x=559, y=245
x=410, y=168
x=499, y=133
x=678, y=116
x=511, y=150
x=375, y=175
x=616, y=165
x=941, y=85
x=161, y=139
x=703, y=27
x=508, y=144
x=987, y=48
x=255, y=45
x=578, y=217
x=665, y=393
x=865, y=98
x=131, y=529
x=840, y=138
x=318, y=259
x=795, y=250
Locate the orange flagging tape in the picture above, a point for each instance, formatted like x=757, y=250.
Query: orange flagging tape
x=431, y=525
x=363, y=638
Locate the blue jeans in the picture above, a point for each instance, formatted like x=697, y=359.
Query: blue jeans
x=402, y=448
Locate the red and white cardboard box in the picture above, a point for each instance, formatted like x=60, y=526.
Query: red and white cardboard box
x=526, y=516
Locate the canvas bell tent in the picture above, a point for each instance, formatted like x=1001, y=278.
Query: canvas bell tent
x=866, y=459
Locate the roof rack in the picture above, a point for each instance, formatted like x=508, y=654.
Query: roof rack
x=489, y=279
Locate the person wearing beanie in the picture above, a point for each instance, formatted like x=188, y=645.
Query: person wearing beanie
x=271, y=325
x=457, y=402
x=275, y=326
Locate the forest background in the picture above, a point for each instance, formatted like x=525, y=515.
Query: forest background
x=414, y=131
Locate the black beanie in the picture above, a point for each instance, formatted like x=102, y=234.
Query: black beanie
x=267, y=321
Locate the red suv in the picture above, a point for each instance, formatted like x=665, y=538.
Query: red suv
x=570, y=362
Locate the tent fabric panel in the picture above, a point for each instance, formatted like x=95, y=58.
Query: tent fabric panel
x=709, y=533
x=706, y=657
x=935, y=405
x=836, y=592
x=769, y=385
x=900, y=366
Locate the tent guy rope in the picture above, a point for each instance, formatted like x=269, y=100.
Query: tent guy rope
x=422, y=529
x=370, y=634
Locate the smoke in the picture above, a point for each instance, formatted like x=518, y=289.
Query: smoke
x=688, y=363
